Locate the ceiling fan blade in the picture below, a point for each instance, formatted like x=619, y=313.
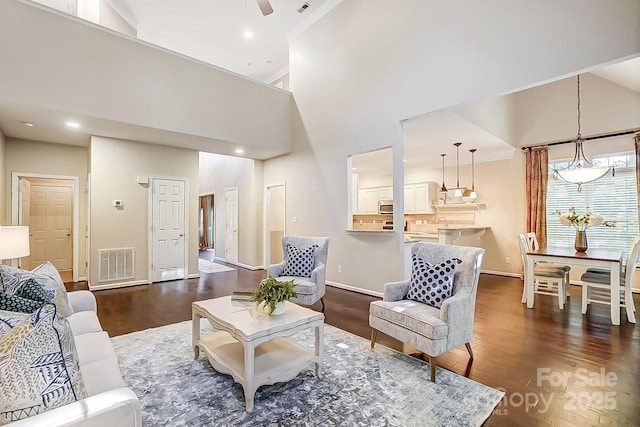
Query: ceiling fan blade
x=265, y=7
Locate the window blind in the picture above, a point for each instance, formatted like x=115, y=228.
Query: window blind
x=615, y=198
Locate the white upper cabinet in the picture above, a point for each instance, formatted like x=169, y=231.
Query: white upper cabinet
x=418, y=197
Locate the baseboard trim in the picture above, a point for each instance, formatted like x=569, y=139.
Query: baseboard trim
x=117, y=285
x=355, y=289
x=239, y=264
x=193, y=276
x=500, y=273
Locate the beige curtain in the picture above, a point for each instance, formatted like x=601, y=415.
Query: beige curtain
x=204, y=237
x=636, y=140
x=537, y=175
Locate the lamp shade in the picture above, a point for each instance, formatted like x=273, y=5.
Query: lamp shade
x=14, y=242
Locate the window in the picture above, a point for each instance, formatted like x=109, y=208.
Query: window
x=612, y=197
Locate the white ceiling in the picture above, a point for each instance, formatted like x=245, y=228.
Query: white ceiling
x=213, y=31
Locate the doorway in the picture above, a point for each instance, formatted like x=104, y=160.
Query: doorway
x=49, y=205
x=207, y=226
x=275, y=220
x=231, y=226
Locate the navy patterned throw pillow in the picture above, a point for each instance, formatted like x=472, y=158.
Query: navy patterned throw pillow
x=18, y=304
x=299, y=262
x=431, y=283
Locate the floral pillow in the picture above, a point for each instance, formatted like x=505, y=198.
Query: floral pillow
x=299, y=262
x=431, y=283
x=44, y=275
x=39, y=368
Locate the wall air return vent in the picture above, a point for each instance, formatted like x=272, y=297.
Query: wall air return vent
x=116, y=264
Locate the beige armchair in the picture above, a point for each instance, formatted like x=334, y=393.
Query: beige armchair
x=305, y=266
x=432, y=330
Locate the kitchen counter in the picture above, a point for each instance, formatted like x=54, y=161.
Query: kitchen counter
x=446, y=233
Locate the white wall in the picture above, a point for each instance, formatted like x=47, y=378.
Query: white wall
x=353, y=81
x=218, y=173
x=115, y=166
x=4, y=179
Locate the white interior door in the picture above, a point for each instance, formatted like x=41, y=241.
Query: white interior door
x=275, y=223
x=168, y=230
x=50, y=226
x=231, y=226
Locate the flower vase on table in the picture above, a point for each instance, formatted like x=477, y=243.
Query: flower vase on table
x=581, y=241
x=581, y=222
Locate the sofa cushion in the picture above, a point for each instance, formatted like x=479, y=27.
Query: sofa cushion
x=299, y=262
x=302, y=286
x=94, y=346
x=84, y=322
x=49, y=270
x=413, y=316
x=18, y=304
x=102, y=375
x=14, y=278
x=39, y=368
x=431, y=283
x=33, y=291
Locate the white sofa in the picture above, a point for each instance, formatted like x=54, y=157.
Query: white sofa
x=109, y=403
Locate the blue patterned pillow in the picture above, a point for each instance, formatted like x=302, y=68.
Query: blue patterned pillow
x=18, y=303
x=39, y=368
x=431, y=283
x=299, y=262
x=14, y=278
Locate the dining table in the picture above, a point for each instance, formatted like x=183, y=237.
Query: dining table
x=599, y=258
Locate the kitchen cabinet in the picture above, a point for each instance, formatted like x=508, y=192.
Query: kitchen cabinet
x=368, y=199
x=418, y=197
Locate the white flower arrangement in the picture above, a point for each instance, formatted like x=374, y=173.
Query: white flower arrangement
x=583, y=221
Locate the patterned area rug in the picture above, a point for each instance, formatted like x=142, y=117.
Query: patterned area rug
x=359, y=387
x=212, y=267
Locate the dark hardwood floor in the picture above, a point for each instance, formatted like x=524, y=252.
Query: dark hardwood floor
x=557, y=367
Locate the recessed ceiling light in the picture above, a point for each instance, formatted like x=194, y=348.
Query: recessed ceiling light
x=248, y=34
x=404, y=160
x=28, y=124
x=239, y=151
x=73, y=124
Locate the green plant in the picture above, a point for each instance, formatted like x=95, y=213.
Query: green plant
x=272, y=291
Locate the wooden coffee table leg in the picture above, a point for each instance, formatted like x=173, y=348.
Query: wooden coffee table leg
x=319, y=348
x=195, y=333
x=249, y=371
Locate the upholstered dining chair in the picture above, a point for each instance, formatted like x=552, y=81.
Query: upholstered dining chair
x=547, y=280
x=433, y=324
x=544, y=268
x=596, y=284
x=305, y=262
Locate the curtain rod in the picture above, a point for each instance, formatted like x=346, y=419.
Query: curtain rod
x=606, y=135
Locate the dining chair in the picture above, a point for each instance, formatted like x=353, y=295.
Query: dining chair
x=547, y=280
x=596, y=284
x=532, y=242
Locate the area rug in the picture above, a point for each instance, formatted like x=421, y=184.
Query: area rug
x=212, y=267
x=358, y=387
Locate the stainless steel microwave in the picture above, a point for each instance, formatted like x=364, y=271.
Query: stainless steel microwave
x=385, y=207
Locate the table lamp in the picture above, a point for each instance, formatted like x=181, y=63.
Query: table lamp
x=14, y=241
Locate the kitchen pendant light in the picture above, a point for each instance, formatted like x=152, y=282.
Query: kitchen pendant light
x=581, y=170
x=443, y=189
x=458, y=190
x=471, y=195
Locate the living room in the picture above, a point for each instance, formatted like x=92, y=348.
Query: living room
x=344, y=104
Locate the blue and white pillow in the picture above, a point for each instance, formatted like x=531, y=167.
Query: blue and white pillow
x=44, y=275
x=299, y=262
x=39, y=367
x=431, y=283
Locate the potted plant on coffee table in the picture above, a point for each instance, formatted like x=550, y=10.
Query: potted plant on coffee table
x=273, y=293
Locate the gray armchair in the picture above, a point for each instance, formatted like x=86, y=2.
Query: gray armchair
x=432, y=330
x=309, y=289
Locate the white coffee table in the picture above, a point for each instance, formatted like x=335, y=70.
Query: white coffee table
x=254, y=347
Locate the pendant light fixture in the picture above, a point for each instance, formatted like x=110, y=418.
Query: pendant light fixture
x=458, y=190
x=443, y=189
x=471, y=195
x=581, y=170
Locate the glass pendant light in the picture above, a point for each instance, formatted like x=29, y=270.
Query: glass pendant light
x=581, y=170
